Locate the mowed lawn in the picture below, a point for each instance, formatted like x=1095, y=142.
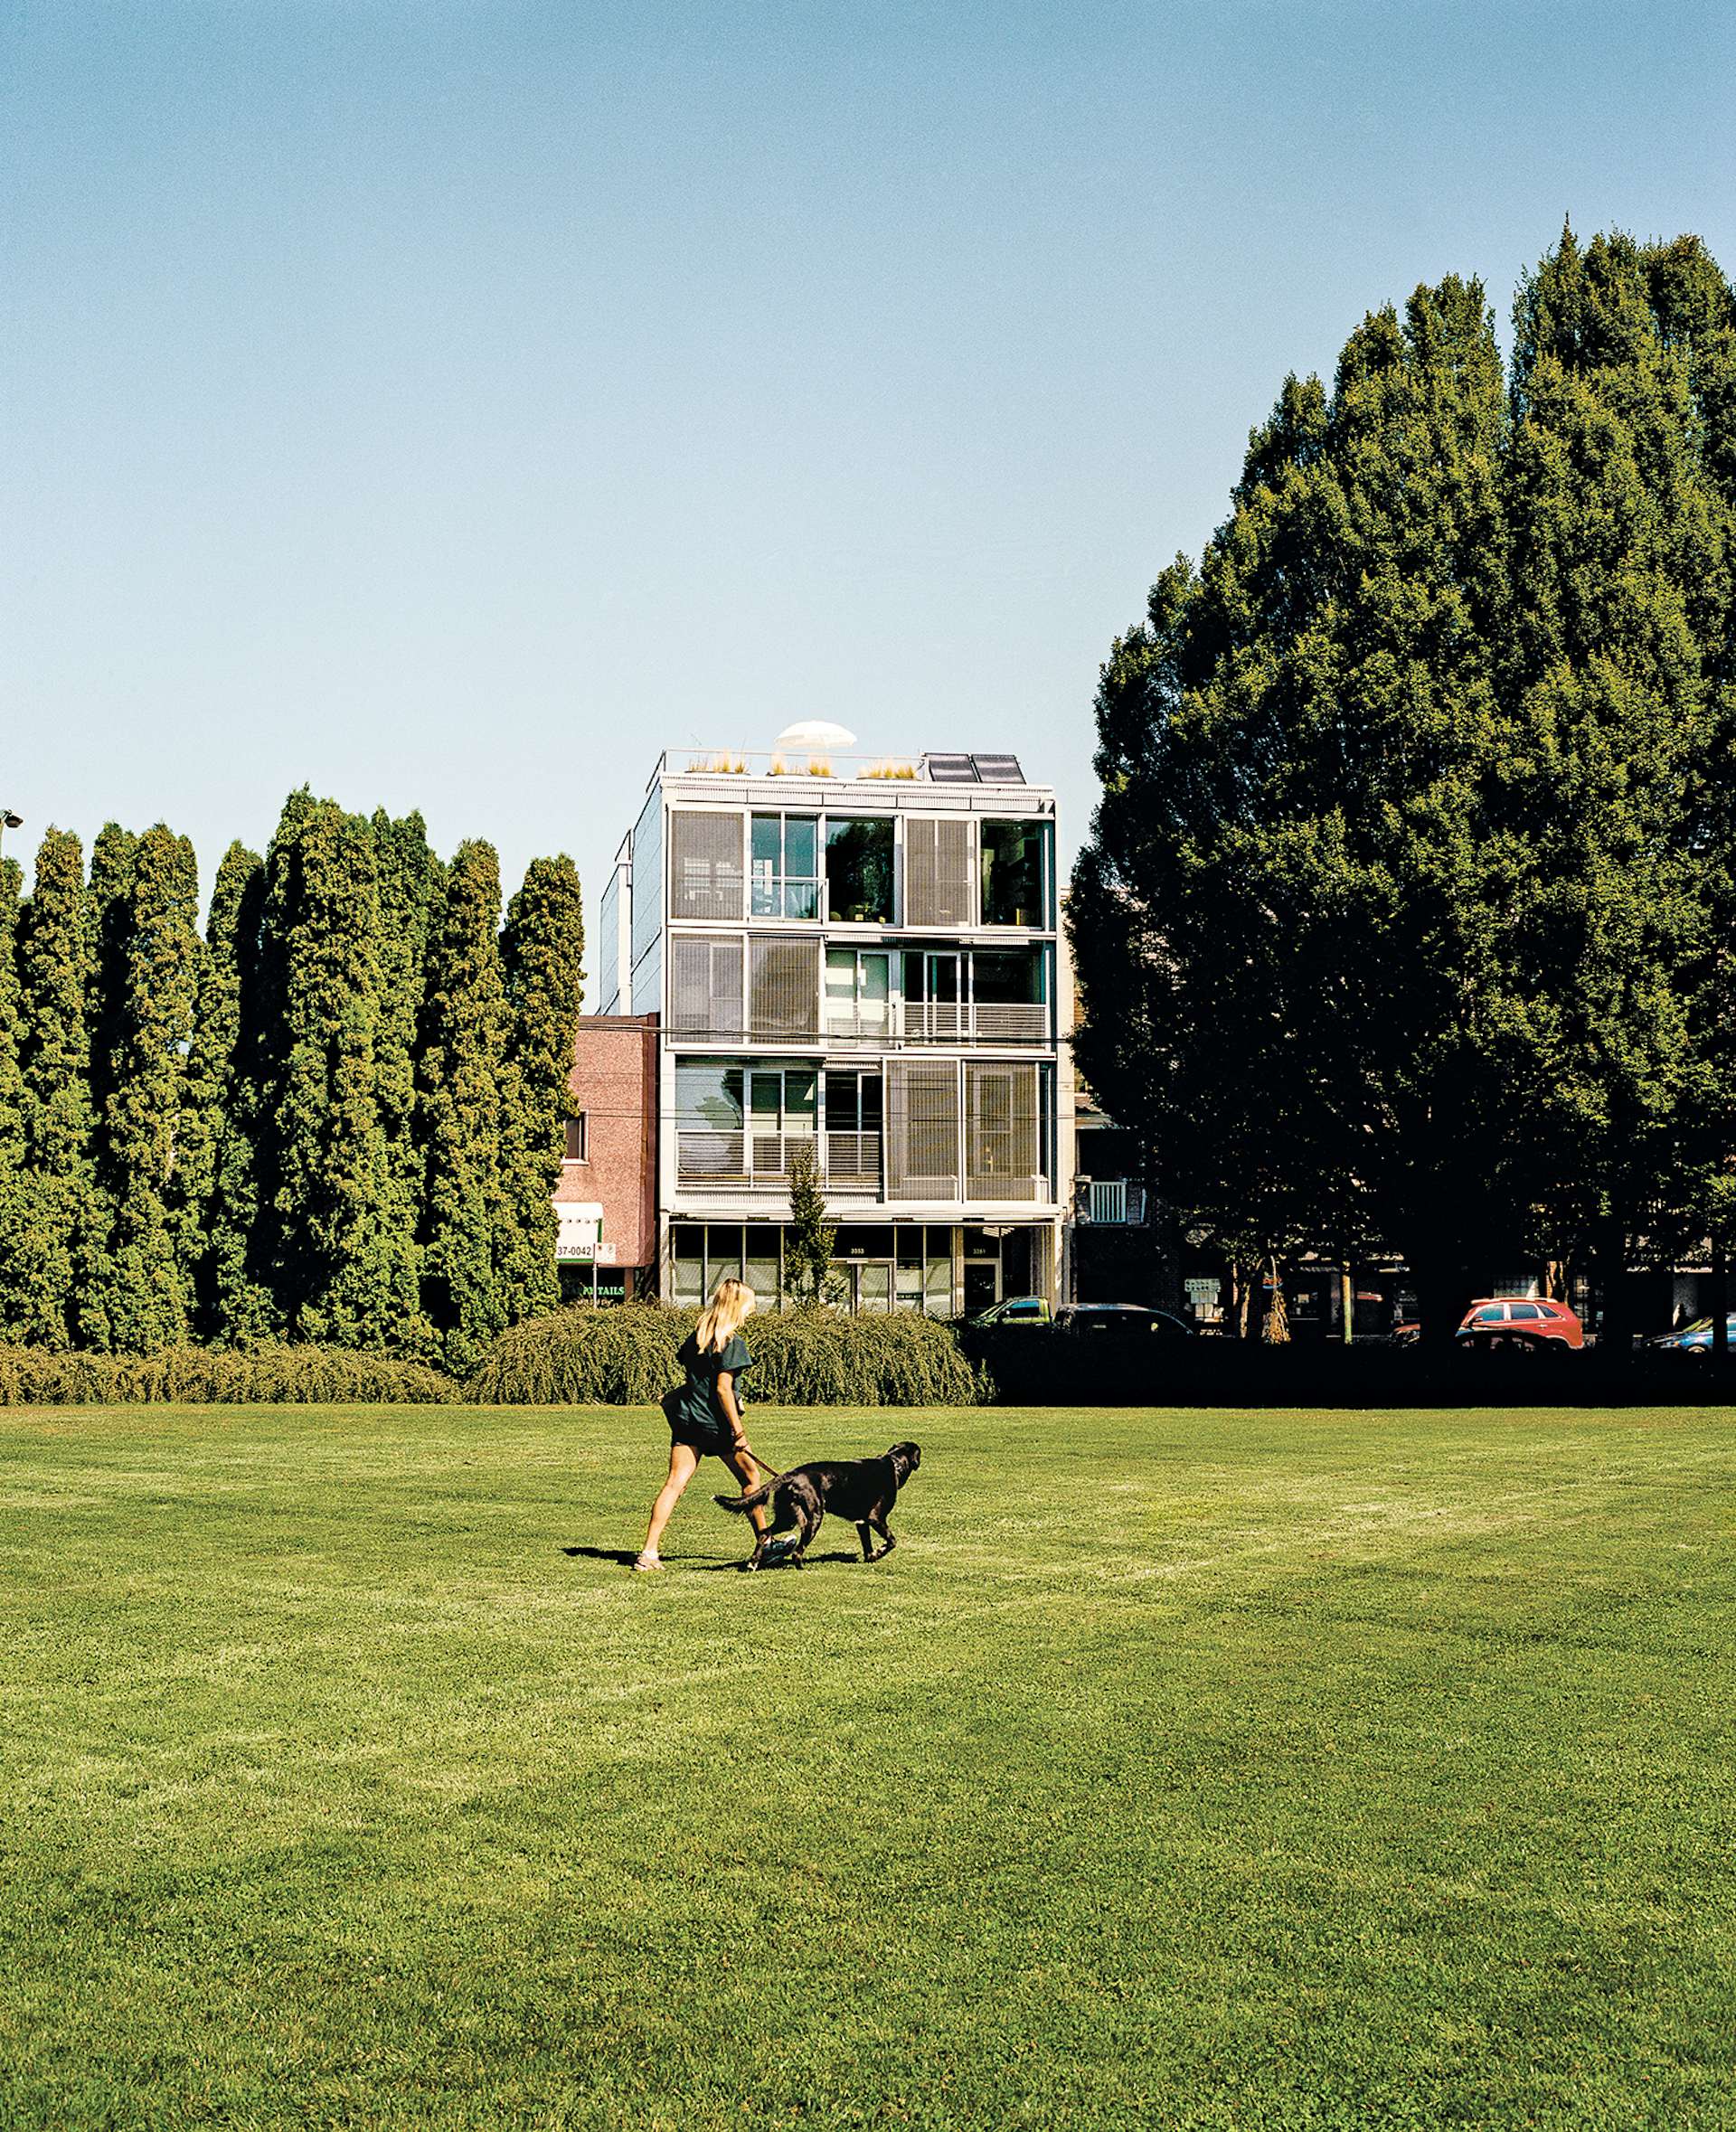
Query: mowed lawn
x=1180, y=1769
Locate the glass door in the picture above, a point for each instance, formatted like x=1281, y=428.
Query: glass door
x=934, y=995
x=781, y=1104
x=858, y=993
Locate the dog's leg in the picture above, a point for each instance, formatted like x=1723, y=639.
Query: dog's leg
x=810, y=1515
x=865, y=1533
x=886, y=1533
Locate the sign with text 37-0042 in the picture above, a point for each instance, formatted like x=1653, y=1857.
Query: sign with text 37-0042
x=580, y=1233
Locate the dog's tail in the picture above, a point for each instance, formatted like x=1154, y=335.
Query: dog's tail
x=751, y=1500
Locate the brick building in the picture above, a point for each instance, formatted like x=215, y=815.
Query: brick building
x=606, y=1204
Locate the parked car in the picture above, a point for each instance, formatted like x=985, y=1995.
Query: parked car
x=1015, y=1310
x=1694, y=1340
x=1121, y=1319
x=1532, y=1322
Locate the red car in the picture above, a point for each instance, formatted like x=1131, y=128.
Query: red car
x=1520, y=1321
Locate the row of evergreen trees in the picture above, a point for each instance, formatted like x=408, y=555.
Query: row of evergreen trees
x=335, y=1117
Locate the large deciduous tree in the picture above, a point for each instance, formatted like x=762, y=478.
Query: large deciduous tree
x=1401, y=907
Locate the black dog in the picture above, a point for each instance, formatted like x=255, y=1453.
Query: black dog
x=863, y=1490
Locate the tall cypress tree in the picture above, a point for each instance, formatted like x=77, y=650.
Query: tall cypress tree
x=411, y=886
x=542, y=956
x=464, y=1034
x=336, y=1275
x=224, y=1235
x=57, y=1227
x=143, y=1291
x=11, y=1082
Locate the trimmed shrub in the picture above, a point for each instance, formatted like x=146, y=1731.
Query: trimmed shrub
x=625, y=1356
x=199, y=1376
x=587, y=1355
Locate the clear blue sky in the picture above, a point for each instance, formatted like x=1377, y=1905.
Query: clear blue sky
x=448, y=405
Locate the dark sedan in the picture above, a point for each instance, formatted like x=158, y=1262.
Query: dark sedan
x=1119, y=1320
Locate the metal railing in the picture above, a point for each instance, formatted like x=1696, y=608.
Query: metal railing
x=850, y=1162
x=1108, y=1201
x=785, y=895
x=974, y=1022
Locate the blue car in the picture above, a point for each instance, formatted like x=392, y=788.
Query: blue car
x=1694, y=1340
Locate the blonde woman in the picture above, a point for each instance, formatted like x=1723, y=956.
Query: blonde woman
x=704, y=1413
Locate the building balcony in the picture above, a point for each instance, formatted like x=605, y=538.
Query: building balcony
x=973, y=1022
x=850, y=1163
x=1109, y=1203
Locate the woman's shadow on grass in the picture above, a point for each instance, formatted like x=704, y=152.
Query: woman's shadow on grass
x=623, y=1557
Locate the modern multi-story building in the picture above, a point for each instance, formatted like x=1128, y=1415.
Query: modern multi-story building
x=860, y=959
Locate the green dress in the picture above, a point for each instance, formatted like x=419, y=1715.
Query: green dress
x=696, y=1416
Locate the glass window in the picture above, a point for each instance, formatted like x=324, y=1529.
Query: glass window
x=863, y=1240
x=1528, y=1312
x=690, y=1265
x=1012, y=864
x=857, y=992
x=1491, y=1315
x=708, y=1093
x=852, y=1102
x=1007, y=980
x=722, y=1256
x=874, y=1287
x=859, y=871
x=763, y=1246
x=937, y=1286
x=574, y=1150
x=783, y=866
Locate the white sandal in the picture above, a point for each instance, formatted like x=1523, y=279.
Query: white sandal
x=647, y=1562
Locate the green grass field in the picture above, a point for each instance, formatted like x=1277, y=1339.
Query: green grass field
x=1178, y=1770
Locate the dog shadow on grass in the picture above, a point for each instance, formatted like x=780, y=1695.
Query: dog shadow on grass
x=623, y=1557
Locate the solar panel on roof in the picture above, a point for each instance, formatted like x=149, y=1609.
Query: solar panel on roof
x=950, y=770
x=998, y=769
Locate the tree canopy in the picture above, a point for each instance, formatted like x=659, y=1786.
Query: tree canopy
x=337, y=1116
x=1403, y=912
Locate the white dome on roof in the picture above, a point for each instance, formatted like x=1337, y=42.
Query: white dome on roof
x=816, y=732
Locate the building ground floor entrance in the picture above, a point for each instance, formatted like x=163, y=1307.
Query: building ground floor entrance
x=945, y=1270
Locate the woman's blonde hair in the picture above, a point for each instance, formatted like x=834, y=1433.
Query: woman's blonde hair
x=731, y=1305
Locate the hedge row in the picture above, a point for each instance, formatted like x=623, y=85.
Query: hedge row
x=625, y=1356
x=205, y=1376
x=584, y=1355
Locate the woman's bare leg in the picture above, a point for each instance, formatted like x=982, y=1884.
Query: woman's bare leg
x=683, y=1463
x=748, y=1473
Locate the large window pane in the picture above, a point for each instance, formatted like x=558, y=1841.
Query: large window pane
x=801, y=846
x=1006, y=980
x=1012, y=864
x=859, y=871
x=708, y=1093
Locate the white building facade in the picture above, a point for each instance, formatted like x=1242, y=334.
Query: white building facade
x=864, y=962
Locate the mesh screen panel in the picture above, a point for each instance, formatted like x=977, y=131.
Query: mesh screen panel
x=939, y=871
x=784, y=995
x=1003, y=1133
x=705, y=985
x=921, y=1128
x=704, y=865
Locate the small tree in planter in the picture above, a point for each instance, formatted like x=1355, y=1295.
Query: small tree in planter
x=808, y=1275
